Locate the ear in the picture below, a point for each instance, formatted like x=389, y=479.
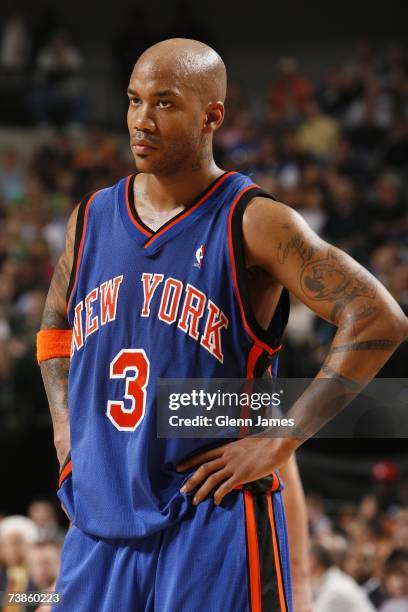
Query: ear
x=214, y=116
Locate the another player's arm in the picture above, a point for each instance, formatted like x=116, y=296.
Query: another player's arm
x=296, y=518
x=370, y=323
x=55, y=371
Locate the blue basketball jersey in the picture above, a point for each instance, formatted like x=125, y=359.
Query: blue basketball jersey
x=145, y=305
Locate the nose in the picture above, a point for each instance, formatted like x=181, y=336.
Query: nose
x=141, y=120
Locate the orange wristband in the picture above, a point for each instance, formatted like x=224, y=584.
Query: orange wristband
x=53, y=343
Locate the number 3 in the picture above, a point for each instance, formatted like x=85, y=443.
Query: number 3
x=127, y=419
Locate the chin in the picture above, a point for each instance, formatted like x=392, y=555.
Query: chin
x=144, y=165
x=155, y=167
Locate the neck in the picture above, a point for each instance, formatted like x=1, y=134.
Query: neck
x=168, y=192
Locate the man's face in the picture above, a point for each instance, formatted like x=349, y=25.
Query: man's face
x=165, y=121
x=13, y=547
x=42, y=513
x=43, y=565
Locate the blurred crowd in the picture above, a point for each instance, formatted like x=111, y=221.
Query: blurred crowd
x=358, y=555
x=30, y=551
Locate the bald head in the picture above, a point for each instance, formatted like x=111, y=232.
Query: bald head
x=188, y=62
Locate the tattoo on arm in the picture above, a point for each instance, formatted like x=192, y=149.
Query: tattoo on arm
x=367, y=345
x=353, y=317
x=54, y=315
x=346, y=382
x=326, y=277
x=55, y=377
x=331, y=280
x=296, y=245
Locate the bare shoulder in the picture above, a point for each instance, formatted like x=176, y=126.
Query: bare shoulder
x=271, y=229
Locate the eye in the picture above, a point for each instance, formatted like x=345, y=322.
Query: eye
x=164, y=103
x=134, y=101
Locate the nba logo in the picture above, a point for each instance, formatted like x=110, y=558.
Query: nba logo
x=199, y=256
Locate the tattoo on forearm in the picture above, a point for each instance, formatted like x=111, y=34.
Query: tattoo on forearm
x=346, y=382
x=367, y=345
x=55, y=377
x=353, y=317
x=52, y=319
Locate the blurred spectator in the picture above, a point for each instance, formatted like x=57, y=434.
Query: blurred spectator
x=43, y=563
x=396, y=148
x=333, y=589
x=387, y=209
x=318, y=133
x=339, y=89
x=319, y=523
x=58, y=96
x=396, y=582
x=291, y=91
x=12, y=177
x=375, y=99
x=15, y=44
x=363, y=564
x=17, y=533
x=401, y=530
x=43, y=513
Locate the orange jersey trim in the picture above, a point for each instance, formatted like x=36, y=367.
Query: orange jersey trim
x=253, y=554
x=276, y=556
x=254, y=354
x=274, y=486
x=65, y=472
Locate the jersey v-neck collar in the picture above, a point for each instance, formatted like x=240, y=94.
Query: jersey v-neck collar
x=148, y=238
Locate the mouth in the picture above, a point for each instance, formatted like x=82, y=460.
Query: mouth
x=141, y=147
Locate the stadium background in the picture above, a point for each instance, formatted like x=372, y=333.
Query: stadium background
x=317, y=113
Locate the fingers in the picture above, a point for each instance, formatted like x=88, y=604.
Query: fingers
x=209, y=484
x=204, y=471
x=224, y=489
x=199, y=458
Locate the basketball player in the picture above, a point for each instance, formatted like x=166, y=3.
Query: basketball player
x=184, y=271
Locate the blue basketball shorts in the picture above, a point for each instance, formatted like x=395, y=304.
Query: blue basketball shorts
x=228, y=558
